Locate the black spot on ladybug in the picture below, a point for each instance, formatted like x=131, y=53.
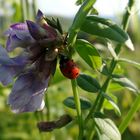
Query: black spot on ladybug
x=69, y=72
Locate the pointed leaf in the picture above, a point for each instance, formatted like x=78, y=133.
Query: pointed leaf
x=89, y=53
x=69, y=102
x=94, y=11
x=113, y=53
x=113, y=87
x=112, y=103
x=106, y=129
x=99, y=115
x=88, y=83
x=125, y=82
x=106, y=28
x=79, y=2
x=133, y=63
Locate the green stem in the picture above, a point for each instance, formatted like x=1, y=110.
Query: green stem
x=92, y=109
x=27, y=9
x=135, y=106
x=24, y=10
x=21, y=4
x=126, y=17
x=34, y=8
x=113, y=64
x=48, y=107
x=75, y=28
x=78, y=21
x=78, y=108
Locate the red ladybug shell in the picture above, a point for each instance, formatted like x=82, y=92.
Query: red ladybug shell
x=69, y=69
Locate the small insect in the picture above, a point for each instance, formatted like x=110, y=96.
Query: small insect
x=69, y=68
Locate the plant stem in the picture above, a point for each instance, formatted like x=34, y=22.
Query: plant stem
x=78, y=21
x=23, y=9
x=126, y=17
x=92, y=109
x=78, y=108
x=48, y=107
x=34, y=8
x=113, y=63
x=135, y=106
x=27, y=9
x=75, y=28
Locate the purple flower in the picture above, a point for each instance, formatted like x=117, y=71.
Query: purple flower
x=34, y=66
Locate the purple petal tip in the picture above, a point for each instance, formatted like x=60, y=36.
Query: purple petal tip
x=19, y=26
x=39, y=14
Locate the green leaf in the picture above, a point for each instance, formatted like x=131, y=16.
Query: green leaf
x=112, y=103
x=88, y=83
x=133, y=63
x=79, y=2
x=104, y=69
x=106, y=129
x=106, y=28
x=93, y=11
x=69, y=102
x=55, y=24
x=99, y=115
x=119, y=70
x=125, y=82
x=113, y=87
x=89, y=53
x=113, y=53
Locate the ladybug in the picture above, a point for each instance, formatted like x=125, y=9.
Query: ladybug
x=69, y=68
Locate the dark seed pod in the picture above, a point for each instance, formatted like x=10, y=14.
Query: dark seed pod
x=51, y=125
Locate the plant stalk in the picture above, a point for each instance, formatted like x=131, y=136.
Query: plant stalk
x=77, y=23
x=75, y=28
x=129, y=116
x=78, y=108
x=48, y=107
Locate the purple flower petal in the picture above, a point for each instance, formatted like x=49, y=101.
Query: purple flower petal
x=19, y=26
x=21, y=60
x=10, y=67
x=34, y=104
x=3, y=52
x=6, y=77
x=21, y=31
x=39, y=16
x=8, y=73
x=46, y=68
x=43, y=23
x=13, y=42
x=36, y=31
x=27, y=93
x=18, y=36
x=18, y=29
x=4, y=58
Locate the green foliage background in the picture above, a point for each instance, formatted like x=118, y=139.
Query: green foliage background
x=23, y=126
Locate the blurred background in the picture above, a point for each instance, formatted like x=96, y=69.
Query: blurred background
x=23, y=126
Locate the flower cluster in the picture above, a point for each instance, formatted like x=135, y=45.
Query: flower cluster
x=33, y=67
